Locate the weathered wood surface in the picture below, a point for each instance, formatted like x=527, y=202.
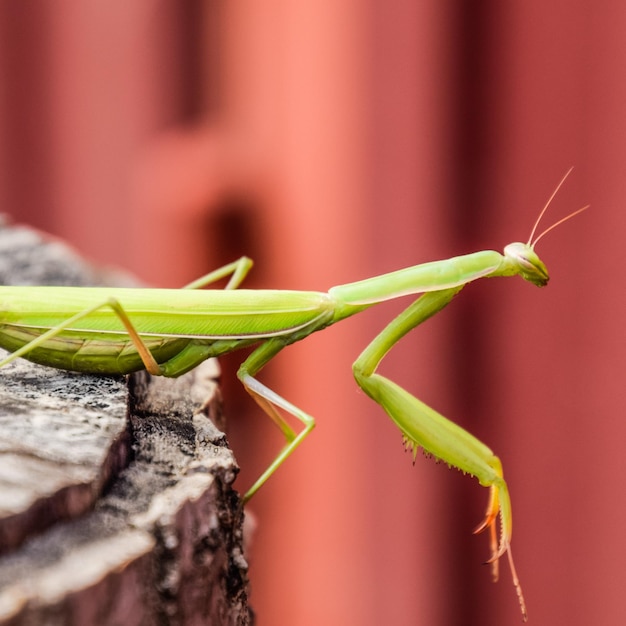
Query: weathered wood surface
x=116, y=499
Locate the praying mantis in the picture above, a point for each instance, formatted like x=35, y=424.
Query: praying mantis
x=168, y=332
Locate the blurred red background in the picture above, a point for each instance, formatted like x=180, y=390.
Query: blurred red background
x=336, y=141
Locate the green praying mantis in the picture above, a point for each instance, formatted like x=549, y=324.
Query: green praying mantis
x=168, y=332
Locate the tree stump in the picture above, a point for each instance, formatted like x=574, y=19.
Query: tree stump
x=116, y=499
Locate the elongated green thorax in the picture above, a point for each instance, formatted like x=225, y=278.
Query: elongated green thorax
x=433, y=276
x=518, y=258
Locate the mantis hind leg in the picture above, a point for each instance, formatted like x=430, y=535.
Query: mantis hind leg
x=268, y=400
x=146, y=356
x=183, y=362
x=272, y=403
x=423, y=427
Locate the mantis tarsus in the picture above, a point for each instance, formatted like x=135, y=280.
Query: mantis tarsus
x=169, y=332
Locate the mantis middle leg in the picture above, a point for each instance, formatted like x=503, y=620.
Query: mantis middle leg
x=271, y=402
x=238, y=270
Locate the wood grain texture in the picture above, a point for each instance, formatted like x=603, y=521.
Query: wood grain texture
x=116, y=499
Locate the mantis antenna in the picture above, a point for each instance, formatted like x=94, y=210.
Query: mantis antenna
x=532, y=243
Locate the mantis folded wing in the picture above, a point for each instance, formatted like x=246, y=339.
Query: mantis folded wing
x=168, y=332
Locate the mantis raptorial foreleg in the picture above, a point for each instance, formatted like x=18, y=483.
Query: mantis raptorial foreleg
x=424, y=427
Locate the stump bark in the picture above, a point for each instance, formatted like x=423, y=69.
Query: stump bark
x=116, y=499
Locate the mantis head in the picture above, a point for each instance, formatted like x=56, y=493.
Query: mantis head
x=529, y=266
x=523, y=256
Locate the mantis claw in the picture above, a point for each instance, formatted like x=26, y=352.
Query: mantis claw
x=496, y=552
x=499, y=505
